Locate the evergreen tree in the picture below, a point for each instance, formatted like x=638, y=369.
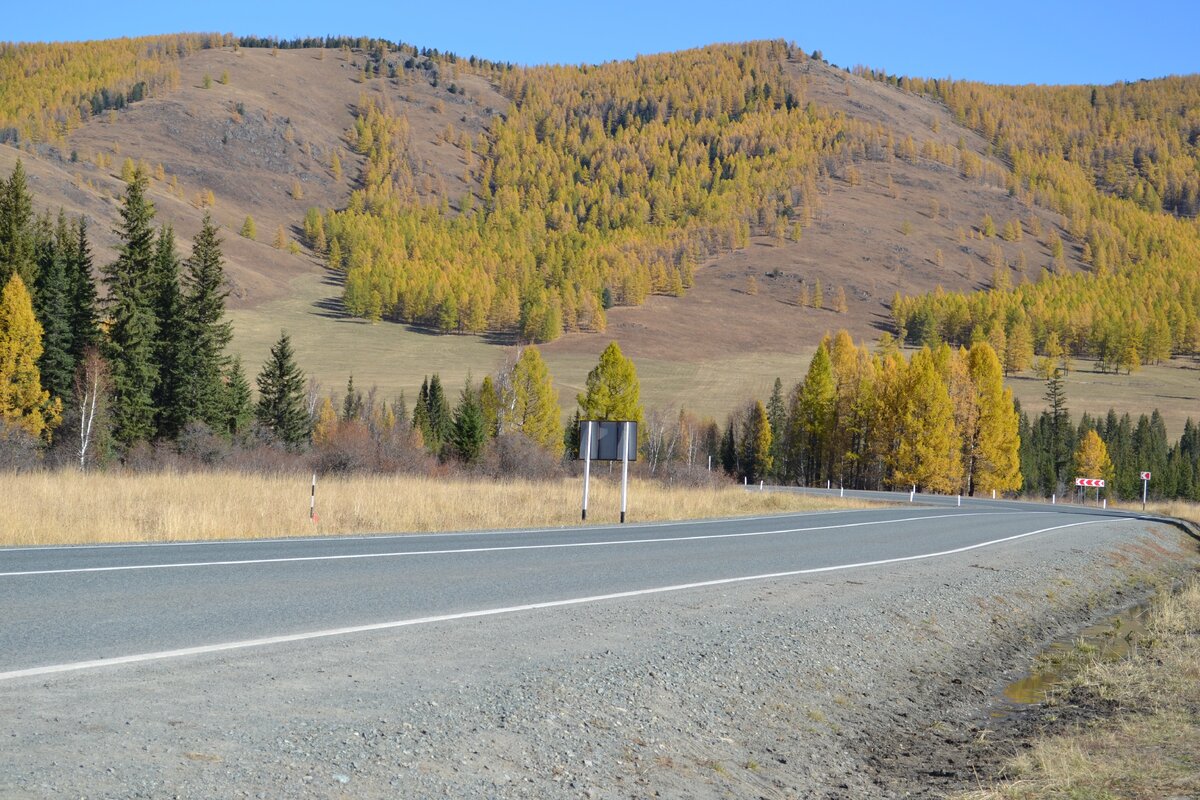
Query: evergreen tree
x=206, y=332
x=467, y=433
x=18, y=245
x=530, y=404
x=237, y=410
x=729, y=454
x=171, y=409
x=85, y=330
x=23, y=402
x=612, y=391
x=489, y=406
x=133, y=325
x=352, y=404
x=420, y=420
x=281, y=396
x=756, y=444
x=440, y=418
x=1059, y=427
x=53, y=309
x=777, y=416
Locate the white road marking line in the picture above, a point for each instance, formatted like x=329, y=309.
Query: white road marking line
x=492, y=612
x=497, y=548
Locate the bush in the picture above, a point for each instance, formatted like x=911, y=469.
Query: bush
x=19, y=450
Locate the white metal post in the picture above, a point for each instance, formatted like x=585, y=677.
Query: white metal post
x=585, y=430
x=1145, y=482
x=624, y=471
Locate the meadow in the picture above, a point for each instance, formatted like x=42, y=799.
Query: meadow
x=61, y=508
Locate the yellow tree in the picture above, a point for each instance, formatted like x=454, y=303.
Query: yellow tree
x=325, y=428
x=530, y=402
x=928, y=454
x=23, y=402
x=993, y=446
x=1091, y=458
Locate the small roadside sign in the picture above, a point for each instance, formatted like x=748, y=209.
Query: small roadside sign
x=1145, y=476
x=1145, y=483
x=1097, y=482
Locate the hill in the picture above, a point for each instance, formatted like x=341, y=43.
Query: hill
x=894, y=199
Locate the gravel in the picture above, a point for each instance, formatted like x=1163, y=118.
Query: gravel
x=880, y=682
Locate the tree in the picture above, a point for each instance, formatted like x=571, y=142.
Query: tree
x=280, y=241
x=1091, y=457
x=171, y=409
x=928, y=454
x=53, y=309
x=467, y=432
x=85, y=331
x=756, y=444
x=1059, y=423
x=91, y=407
x=810, y=424
x=529, y=404
x=777, y=416
x=612, y=391
x=132, y=322
x=249, y=229
x=994, y=445
x=281, y=407
x=205, y=331
x=237, y=409
x=23, y=402
x=17, y=242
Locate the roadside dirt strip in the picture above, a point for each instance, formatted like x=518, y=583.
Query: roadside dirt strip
x=879, y=681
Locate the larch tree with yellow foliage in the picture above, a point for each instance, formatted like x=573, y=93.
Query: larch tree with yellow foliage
x=928, y=454
x=1091, y=458
x=993, y=447
x=530, y=403
x=23, y=402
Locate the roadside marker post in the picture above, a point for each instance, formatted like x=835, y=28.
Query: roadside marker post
x=312, y=501
x=1145, y=483
x=585, y=434
x=624, y=470
x=1085, y=483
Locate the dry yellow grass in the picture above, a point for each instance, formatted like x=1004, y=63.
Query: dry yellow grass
x=1181, y=509
x=1148, y=748
x=73, y=508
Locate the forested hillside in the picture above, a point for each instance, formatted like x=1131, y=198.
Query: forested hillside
x=1121, y=164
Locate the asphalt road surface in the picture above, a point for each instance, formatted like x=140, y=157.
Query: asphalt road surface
x=97, y=607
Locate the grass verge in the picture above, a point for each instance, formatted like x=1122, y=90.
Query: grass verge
x=75, y=508
x=1145, y=721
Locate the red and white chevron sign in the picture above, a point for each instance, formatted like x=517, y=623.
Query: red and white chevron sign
x=1097, y=482
x=1145, y=476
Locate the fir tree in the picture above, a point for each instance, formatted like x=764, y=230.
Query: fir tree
x=133, y=325
x=18, y=246
x=467, y=433
x=206, y=332
x=238, y=411
x=440, y=418
x=85, y=331
x=53, y=308
x=777, y=416
x=756, y=444
x=281, y=396
x=172, y=411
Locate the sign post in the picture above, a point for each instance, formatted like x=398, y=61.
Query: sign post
x=624, y=469
x=585, y=436
x=1145, y=484
x=312, y=501
x=1085, y=483
x=607, y=440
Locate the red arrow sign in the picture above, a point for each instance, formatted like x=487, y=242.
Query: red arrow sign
x=1097, y=482
x=1145, y=476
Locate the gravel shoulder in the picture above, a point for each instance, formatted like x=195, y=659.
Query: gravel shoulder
x=878, y=682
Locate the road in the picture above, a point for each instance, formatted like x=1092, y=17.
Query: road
x=77, y=608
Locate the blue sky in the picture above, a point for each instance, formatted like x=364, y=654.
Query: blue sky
x=1007, y=42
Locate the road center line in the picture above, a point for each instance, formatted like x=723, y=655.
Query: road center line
x=493, y=549
x=492, y=612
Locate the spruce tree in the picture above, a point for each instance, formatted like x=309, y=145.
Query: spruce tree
x=438, y=410
x=237, y=411
x=777, y=416
x=281, y=395
x=467, y=433
x=206, y=332
x=133, y=323
x=53, y=309
x=17, y=239
x=85, y=330
x=171, y=411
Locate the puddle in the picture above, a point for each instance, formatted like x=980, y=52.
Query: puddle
x=1109, y=641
